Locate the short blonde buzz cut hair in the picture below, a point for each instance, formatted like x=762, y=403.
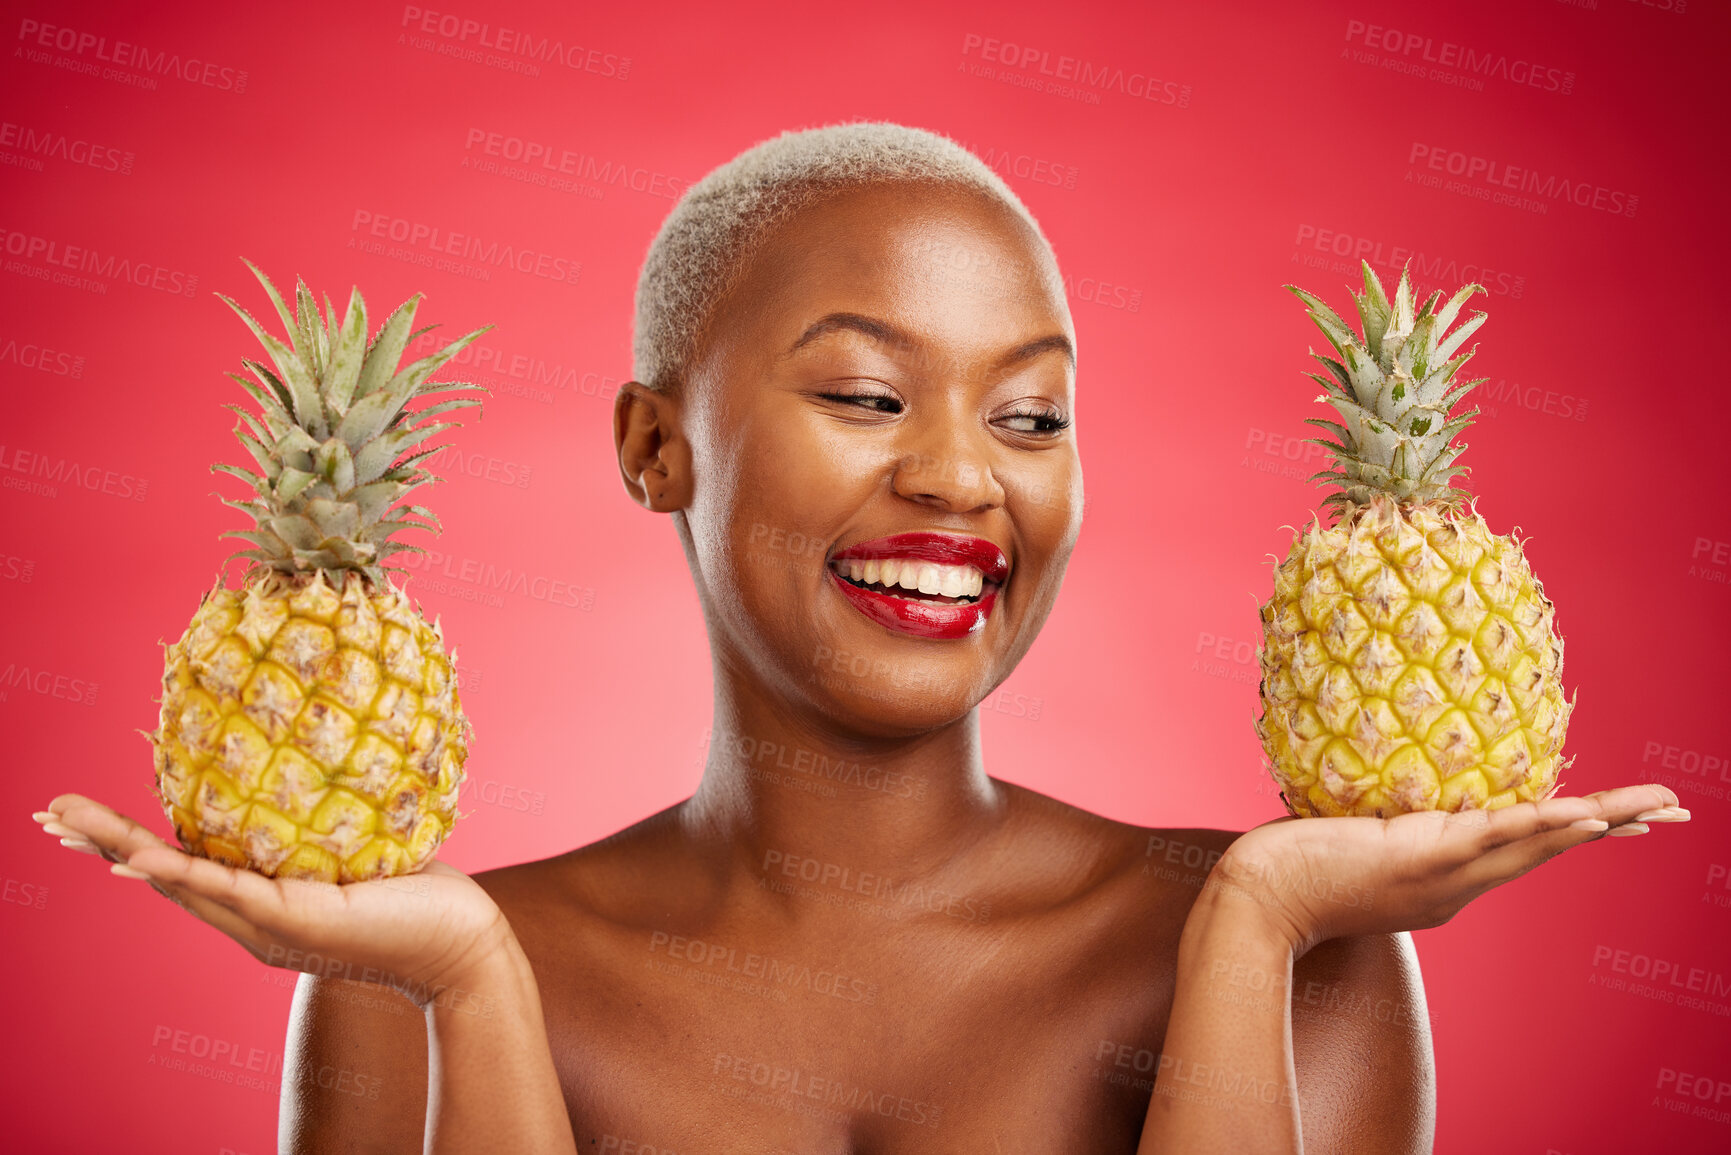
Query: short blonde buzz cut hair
x=704, y=243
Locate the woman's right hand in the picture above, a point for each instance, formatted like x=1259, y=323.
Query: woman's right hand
x=1323, y=878
x=419, y=934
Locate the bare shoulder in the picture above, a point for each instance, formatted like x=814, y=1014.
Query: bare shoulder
x=1360, y=1026
x=1361, y=1043
x=1144, y=879
x=1054, y=834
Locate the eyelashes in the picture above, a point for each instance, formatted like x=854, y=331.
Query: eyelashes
x=1046, y=423
x=857, y=398
x=1052, y=422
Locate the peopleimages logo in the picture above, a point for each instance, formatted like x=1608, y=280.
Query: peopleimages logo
x=449, y=458
x=1419, y=49
x=474, y=253
x=486, y=581
x=29, y=355
x=1486, y=178
x=65, y=263
x=1072, y=70
x=1434, y=269
x=36, y=37
x=1493, y=395
x=35, y=144
x=522, y=374
x=48, y=683
x=32, y=471
x=1008, y=162
x=512, y=46
x=558, y=161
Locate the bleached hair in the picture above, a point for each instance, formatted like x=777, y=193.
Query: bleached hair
x=702, y=246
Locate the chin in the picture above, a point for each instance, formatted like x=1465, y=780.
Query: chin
x=885, y=705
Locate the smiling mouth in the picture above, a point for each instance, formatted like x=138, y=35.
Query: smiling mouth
x=915, y=579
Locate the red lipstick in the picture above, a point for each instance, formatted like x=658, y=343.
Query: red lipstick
x=926, y=619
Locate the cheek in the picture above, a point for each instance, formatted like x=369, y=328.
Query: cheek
x=794, y=489
x=1047, y=506
x=769, y=503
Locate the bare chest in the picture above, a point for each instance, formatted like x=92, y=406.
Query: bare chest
x=677, y=1044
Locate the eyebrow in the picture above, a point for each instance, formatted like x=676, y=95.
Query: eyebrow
x=897, y=338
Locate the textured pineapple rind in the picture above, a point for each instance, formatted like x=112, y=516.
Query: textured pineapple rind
x=1410, y=661
x=309, y=731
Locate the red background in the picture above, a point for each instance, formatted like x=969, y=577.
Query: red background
x=1275, y=127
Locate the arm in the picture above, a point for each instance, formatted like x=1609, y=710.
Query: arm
x=438, y=939
x=1363, y=1079
x=1226, y=1080
x=370, y=1073
x=492, y=1084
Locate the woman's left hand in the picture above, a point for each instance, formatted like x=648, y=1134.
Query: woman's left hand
x=1323, y=878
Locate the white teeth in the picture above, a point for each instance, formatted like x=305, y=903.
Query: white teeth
x=950, y=581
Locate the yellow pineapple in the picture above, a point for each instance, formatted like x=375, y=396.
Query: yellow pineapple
x=310, y=723
x=1410, y=659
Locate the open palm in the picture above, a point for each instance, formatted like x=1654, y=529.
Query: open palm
x=414, y=933
x=1333, y=877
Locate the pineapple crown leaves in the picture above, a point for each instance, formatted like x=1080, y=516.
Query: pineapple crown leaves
x=1393, y=387
x=331, y=433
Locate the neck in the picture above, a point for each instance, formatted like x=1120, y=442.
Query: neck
x=780, y=788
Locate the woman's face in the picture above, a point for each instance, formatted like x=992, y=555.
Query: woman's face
x=896, y=360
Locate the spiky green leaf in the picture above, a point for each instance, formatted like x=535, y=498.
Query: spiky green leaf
x=347, y=355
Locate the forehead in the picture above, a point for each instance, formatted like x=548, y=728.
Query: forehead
x=952, y=264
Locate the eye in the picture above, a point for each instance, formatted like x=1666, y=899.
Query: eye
x=1041, y=423
x=876, y=402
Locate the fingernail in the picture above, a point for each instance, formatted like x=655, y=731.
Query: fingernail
x=1629, y=830
x=126, y=871
x=61, y=830
x=1664, y=814
x=1593, y=824
x=83, y=845
x=45, y=816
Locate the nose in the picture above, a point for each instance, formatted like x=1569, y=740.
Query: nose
x=946, y=463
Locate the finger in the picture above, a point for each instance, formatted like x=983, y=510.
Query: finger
x=1491, y=829
x=1554, y=829
x=242, y=905
x=1513, y=824
x=203, y=909
x=1509, y=862
x=272, y=906
x=1628, y=803
x=111, y=832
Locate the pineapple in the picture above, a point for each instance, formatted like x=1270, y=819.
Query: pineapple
x=310, y=724
x=1410, y=659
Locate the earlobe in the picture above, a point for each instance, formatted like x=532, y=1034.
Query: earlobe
x=654, y=461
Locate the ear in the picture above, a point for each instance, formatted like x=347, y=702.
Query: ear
x=654, y=457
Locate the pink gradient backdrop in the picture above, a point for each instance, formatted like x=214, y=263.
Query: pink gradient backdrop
x=1274, y=127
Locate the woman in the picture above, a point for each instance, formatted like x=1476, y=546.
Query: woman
x=855, y=374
